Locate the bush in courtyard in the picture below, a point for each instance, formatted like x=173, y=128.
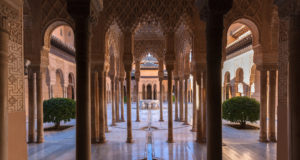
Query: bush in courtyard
x=59, y=109
x=241, y=110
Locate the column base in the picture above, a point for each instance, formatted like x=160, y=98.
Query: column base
x=193, y=130
x=40, y=140
x=138, y=120
x=263, y=139
x=122, y=120
x=272, y=139
x=170, y=140
x=161, y=120
x=203, y=140
x=129, y=140
x=30, y=140
x=177, y=119
x=102, y=140
x=107, y=131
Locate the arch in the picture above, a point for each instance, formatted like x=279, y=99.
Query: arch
x=149, y=91
x=47, y=32
x=70, y=89
x=58, y=90
x=250, y=23
x=239, y=75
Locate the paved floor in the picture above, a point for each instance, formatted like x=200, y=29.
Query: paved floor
x=151, y=142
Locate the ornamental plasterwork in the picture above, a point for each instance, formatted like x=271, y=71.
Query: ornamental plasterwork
x=54, y=10
x=15, y=57
x=128, y=13
x=143, y=47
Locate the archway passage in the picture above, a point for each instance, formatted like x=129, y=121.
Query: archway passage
x=149, y=91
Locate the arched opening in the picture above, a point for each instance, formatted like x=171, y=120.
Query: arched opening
x=154, y=92
x=58, y=89
x=70, y=90
x=144, y=91
x=239, y=85
x=149, y=91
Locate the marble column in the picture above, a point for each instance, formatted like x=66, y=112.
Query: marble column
x=122, y=99
x=204, y=106
x=263, y=105
x=113, y=121
x=40, y=78
x=186, y=102
x=128, y=89
x=194, y=126
x=4, y=38
x=181, y=99
x=214, y=31
x=294, y=86
x=137, y=101
x=105, y=102
x=176, y=100
x=117, y=100
x=101, y=116
x=170, y=105
x=272, y=99
x=94, y=107
x=80, y=14
x=161, y=114
x=199, y=111
x=32, y=106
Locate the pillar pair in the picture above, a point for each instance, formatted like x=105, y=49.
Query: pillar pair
x=263, y=106
x=36, y=77
x=98, y=107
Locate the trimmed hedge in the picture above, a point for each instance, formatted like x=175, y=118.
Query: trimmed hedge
x=241, y=110
x=59, y=109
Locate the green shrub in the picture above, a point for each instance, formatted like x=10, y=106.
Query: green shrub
x=59, y=109
x=241, y=110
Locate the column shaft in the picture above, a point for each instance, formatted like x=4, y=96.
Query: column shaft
x=194, y=106
x=113, y=121
x=170, y=106
x=40, y=118
x=117, y=100
x=176, y=101
x=122, y=101
x=204, y=106
x=83, y=108
x=263, y=106
x=272, y=99
x=101, y=109
x=105, y=102
x=199, y=113
x=129, y=125
x=95, y=108
x=161, y=102
x=32, y=106
x=214, y=31
x=186, y=102
x=181, y=99
x=4, y=38
x=137, y=102
x=294, y=86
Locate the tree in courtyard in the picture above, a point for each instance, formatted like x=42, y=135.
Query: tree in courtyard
x=59, y=109
x=241, y=110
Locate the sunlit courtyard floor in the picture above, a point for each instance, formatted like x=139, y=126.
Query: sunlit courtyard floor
x=238, y=144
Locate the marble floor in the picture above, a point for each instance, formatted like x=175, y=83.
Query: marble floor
x=150, y=142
